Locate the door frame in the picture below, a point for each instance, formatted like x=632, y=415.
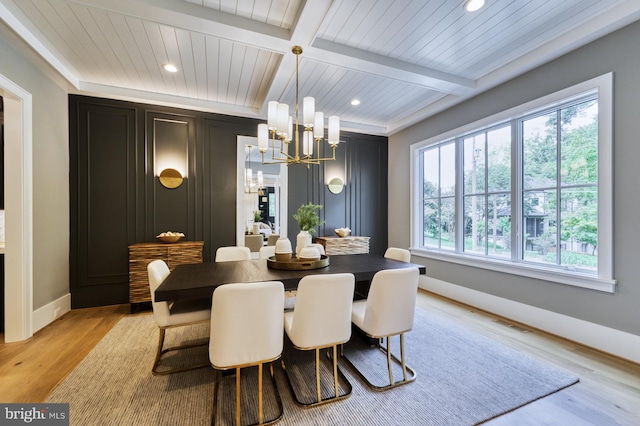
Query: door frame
x=240, y=164
x=18, y=108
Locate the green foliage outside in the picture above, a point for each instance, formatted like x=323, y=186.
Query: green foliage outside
x=567, y=217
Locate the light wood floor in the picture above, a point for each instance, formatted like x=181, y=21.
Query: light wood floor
x=608, y=392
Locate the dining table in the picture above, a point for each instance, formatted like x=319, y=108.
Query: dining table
x=196, y=281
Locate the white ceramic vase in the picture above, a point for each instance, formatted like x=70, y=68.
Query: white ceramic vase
x=256, y=228
x=303, y=239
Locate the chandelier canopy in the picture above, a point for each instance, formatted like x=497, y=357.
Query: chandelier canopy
x=279, y=131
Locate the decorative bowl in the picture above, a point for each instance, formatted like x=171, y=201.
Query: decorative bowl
x=283, y=245
x=283, y=249
x=283, y=257
x=309, y=253
x=342, y=232
x=170, y=237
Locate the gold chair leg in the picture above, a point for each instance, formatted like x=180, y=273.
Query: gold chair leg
x=335, y=370
x=337, y=376
x=260, y=409
x=404, y=365
x=389, y=359
x=335, y=373
x=238, y=396
x=408, y=375
x=238, y=382
x=318, y=374
x=161, y=352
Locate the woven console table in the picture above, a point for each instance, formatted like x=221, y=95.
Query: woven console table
x=344, y=245
x=140, y=255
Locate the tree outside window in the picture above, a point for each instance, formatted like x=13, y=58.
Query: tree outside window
x=556, y=183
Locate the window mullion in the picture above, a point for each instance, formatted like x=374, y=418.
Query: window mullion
x=440, y=197
x=558, y=182
x=517, y=235
x=486, y=193
x=459, y=195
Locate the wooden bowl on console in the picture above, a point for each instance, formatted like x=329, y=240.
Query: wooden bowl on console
x=170, y=237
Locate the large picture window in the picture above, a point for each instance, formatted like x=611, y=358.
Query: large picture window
x=527, y=191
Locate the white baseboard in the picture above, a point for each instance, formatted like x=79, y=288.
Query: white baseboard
x=48, y=313
x=619, y=343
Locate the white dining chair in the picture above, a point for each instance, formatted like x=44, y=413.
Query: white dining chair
x=321, y=319
x=402, y=255
x=246, y=331
x=232, y=253
x=253, y=242
x=388, y=311
x=177, y=314
x=267, y=252
x=272, y=238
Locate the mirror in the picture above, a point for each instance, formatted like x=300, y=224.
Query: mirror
x=270, y=198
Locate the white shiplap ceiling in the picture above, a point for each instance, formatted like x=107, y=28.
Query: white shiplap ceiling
x=403, y=59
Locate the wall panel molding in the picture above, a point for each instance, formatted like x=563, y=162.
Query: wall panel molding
x=116, y=187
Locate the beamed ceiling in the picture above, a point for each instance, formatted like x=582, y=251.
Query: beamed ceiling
x=403, y=59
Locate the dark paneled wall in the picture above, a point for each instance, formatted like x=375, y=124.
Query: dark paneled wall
x=361, y=162
x=117, y=150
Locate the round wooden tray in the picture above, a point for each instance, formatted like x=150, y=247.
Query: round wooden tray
x=295, y=264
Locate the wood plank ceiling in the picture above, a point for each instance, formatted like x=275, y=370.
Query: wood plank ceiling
x=404, y=59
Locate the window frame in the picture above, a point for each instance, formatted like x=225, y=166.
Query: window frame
x=603, y=279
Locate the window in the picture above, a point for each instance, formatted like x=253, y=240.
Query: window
x=487, y=194
x=439, y=197
x=527, y=191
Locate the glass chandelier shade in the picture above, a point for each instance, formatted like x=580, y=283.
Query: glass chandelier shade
x=253, y=185
x=282, y=130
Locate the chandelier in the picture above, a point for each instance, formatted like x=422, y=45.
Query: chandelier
x=279, y=131
x=252, y=185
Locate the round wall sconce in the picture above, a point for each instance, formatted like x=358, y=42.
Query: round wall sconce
x=170, y=178
x=336, y=185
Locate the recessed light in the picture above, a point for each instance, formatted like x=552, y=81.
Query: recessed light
x=170, y=67
x=473, y=5
x=355, y=102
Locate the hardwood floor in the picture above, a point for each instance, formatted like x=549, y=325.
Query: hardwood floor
x=609, y=389
x=608, y=392
x=30, y=370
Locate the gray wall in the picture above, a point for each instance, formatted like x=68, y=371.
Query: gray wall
x=50, y=166
x=619, y=53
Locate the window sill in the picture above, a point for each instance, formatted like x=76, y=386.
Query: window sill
x=525, y=270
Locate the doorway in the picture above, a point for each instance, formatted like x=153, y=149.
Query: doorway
x=272, y=200
x=1, y=214
x=18, y=203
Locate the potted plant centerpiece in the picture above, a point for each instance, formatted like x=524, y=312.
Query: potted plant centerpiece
x=308, y=219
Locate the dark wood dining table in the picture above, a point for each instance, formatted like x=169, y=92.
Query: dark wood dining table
x=194, y=281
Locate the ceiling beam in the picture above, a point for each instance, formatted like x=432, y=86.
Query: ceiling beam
x=371, y=63
x=305, y=28
x=204, y=20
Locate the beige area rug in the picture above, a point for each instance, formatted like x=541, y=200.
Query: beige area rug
x=463, y=379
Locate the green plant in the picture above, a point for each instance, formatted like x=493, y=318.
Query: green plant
x=307, y=217
x=257, y=216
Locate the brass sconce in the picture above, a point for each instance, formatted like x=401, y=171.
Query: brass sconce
x=335, y=185
x=170, y=178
